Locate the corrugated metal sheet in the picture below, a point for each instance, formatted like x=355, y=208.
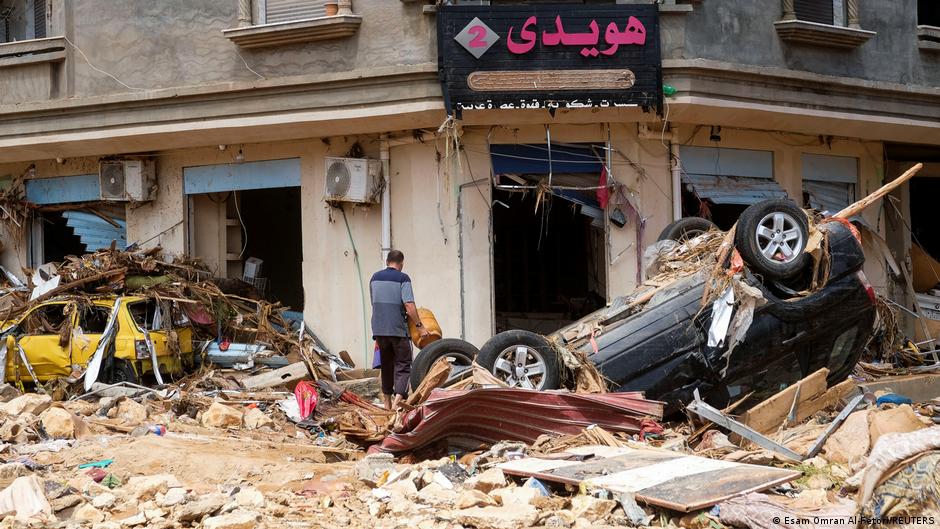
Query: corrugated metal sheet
x=293, y=10
x=63, y=189
x=829, y=196
x=727, y=162
x=95, y=232
x=732, y=189
x=826, y=168
x=491, y=415
x=236, y=177
x=814, y=11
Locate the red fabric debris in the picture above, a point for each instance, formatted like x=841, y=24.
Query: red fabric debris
x=846, y=223
x=306, y=397
x=603, y=192
x=649, y=426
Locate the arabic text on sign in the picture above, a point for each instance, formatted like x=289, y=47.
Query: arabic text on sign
x=634, y=33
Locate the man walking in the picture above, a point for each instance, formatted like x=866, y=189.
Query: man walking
x=393, y=300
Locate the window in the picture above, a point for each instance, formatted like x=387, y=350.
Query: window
x=22, y=20
x=928, y=13
x=93, y=319
x=47, y=319
x=833, y=23
x=275, y=11
x=829, y=181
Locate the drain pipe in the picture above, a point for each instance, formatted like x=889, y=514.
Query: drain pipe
x=386, y=198
x=676, y=177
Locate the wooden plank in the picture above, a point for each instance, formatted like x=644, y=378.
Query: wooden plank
x=767, y=416
x=283, y=375
x=656, y=477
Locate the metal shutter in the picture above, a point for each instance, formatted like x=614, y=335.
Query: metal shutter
x=39, y=19
x=813, y=11
x=291, y=10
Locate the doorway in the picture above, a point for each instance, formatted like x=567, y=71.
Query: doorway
x=548, y=259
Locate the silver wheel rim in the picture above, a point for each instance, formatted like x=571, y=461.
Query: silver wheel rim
x=520, y=366
x=779, y=237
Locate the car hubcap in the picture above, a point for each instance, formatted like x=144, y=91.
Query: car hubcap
x=779, y=237
x=521, y=366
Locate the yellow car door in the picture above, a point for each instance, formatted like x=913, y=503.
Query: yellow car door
x=43, y=335
x=91, y=320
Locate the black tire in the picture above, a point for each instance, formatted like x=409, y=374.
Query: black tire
x=684, y=229
x=463, y=353
x=748, y=242
x=537, y=346
x=123, y=371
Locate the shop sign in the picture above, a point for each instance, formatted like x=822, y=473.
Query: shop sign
x=550, y=56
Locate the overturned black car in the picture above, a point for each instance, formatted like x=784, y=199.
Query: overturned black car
x=808, y=317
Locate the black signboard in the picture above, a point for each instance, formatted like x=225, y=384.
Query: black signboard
x=550, y=56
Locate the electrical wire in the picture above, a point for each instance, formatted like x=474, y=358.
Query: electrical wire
x=99, y=70
x=242, y=222
x=362, y=292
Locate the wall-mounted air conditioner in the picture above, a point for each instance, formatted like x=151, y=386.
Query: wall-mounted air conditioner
x=127, y=180
x=353, y=180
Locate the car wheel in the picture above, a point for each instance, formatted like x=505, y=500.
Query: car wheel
x=459, y=353
x=123, y=371
x=521, y=359
x=771, y=236
x=684, y=229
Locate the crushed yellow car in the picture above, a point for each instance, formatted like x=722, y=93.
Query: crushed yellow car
x=59, y=337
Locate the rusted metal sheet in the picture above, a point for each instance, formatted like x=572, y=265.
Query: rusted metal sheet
x=668, y=479
x=490, y=415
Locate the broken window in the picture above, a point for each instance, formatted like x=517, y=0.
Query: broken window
x=47, y=319
x=22, y=20
x=829, y=182
x=719, y=183
x=93, y=319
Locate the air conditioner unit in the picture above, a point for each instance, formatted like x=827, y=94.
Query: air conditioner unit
x=353, y=180
x=127, y=180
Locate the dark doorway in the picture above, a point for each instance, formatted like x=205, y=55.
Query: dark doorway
x=924, y=191
x=549, y=261
x=58, y=239
x=272, y=227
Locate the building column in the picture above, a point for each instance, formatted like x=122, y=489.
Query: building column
x=244, y=13
x=344, y=7
x=852, y=10
x=789, y=12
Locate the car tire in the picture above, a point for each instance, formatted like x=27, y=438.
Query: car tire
x=771, y=236
x=460, y=352
x=122, y=371
x=499, y=353
x=684, y=229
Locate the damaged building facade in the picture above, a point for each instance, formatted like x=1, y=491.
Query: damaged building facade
x=257, y=137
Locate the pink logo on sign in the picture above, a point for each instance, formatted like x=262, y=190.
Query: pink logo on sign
x=633, y=34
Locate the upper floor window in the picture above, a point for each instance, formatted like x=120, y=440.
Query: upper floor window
x=928, y=24
x=832, y=23
x=264, y=23
x=22, y=20
x=275, y=11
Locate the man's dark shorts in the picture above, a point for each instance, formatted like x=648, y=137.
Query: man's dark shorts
x=396, y=364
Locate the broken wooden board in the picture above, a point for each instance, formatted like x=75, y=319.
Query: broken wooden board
x=277, y=377
x=657, y=477
x=767, y=416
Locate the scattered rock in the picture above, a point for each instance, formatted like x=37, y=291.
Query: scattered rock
x=405, y=487
x=255, y=418
x=200, y=507
x=137, y=519
x=819, y=481
x=516, y=495
x=33, y=403
x=11, y=471
x=562, y=518
x=145, y=487
x=249, y=497
x=173, y=496
x=88, y=513
x=473, y=498
x=105, y=500
x=130, y=412
x=591, y=508
x=233, y=520
x=80, y=407
x=377, y=509
x=107, y=525
x=65, y=502
x=510, y=517
x=434, y=494
x=8, y=393
x=57, y=422
x=373, y=467
x=487, y=481
x=221, y=416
